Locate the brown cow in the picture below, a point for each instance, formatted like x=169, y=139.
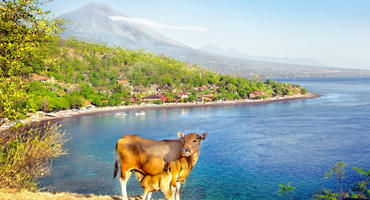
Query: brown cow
x=182, y=167
x=151, y=157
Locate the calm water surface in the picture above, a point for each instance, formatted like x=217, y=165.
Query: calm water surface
x=249, y=150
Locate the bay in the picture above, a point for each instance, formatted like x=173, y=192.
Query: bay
x=249, y=151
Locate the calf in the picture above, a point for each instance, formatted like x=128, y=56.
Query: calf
x=155, y=183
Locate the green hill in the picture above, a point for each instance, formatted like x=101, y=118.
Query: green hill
x=80, y=72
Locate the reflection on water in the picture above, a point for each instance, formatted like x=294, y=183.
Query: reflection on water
x=249, y=149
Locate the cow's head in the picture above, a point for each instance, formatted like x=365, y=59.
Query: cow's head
x=191, y=142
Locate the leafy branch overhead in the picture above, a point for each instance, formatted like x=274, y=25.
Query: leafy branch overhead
x=24, y=29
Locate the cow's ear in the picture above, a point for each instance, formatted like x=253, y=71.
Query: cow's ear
x=204, y=135
x=180, y=135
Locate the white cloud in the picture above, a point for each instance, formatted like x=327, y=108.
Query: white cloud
x=152, y=24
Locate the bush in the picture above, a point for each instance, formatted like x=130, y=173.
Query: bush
x=97, y=102
x=127, y=102
x=158, y=101
x=75, y=101
x=59, y=103
x=25, y=154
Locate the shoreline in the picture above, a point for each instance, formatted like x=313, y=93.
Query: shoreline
x=68, y=114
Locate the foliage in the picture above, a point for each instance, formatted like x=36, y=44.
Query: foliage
x=25, y=154
x=286, y=190
x=338, y=169
x=13, y=99
x=158, y=101
x=24, y=28
x=359, y=189
x=99, y=73
x=327, y=195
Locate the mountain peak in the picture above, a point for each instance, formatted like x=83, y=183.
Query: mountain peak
x=96, y=7
x=99, y=22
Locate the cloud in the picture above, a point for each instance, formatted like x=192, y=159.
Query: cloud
x=158, y=25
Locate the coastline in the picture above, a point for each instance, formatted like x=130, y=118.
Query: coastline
x=66, y=114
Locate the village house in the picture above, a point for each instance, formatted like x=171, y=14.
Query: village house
x=255, y=94
x=183, y=95
x=36, y=77
x=202, y=87
x=122, y=82
x=160, y=94
x=104, y=100
x=86, y=103
x=152, y=97
x=206, y=99
x=164, y=99
x=132, y=100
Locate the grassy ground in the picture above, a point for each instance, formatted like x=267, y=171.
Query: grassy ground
x=26, y=195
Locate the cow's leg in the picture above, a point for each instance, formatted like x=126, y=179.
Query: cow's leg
x=123, y=180
x=167, y=192
x=145, y=194
x=178, y=186
x=173, y=189
x=149, y=196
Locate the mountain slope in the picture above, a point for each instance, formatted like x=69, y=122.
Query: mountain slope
x=98, y=22
x=212, y=48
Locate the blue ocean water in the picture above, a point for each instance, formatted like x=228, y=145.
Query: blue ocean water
x=249, y=151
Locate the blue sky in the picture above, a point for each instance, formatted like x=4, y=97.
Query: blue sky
x=334, y=32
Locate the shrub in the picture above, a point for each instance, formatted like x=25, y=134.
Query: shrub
x=97, y=102
x=75, y=101
x=25, y=154
x=59, y=103
x=127, y=102
x=158, y=101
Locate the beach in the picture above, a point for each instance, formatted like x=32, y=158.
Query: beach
x=41, y=118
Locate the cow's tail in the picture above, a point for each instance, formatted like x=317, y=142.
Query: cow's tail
x=116, y=164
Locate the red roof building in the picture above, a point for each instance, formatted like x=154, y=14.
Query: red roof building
x=164, y=99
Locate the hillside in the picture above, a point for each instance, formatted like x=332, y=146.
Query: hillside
x=98, y=22
x=81, y=73
x=212, y=48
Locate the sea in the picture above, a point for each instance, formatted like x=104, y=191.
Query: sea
x=249, y=150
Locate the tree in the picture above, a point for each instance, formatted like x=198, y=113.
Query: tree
x=13, y=104
x=24, y=27
x=87, y=91
x=359, y=190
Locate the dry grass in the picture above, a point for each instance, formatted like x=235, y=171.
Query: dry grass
x=26, y=153
x=26, y=195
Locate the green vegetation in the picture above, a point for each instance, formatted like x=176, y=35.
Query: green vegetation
x=24, y=28
x=93, y=73
x=25, y=154
x=286, y=190
x=357, y=189
x=40, y=71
